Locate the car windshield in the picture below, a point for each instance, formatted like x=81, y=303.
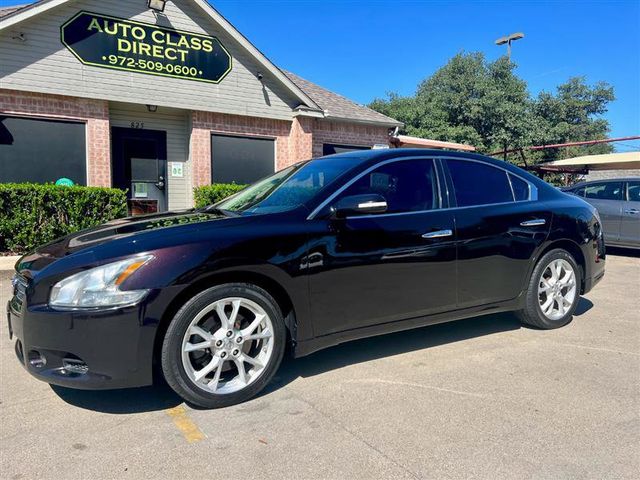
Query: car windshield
x=288, y=188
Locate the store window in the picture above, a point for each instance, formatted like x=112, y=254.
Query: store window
x=41, y=151
x=241, y=159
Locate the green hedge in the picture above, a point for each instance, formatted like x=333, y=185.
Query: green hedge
x=210, y=194
x=34, y=214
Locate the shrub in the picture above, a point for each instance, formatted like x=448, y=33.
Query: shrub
x=34, y=214
x=210, y=194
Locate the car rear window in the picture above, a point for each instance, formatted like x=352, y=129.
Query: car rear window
x=476, y=183
x=520, y=188
x=634, y=192
x=604, y=191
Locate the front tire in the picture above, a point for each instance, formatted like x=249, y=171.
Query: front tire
x=224, y=345
x=553, y=292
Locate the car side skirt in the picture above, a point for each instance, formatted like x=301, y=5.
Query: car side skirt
x=303, y=348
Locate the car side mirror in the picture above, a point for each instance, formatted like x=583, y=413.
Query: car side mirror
x=359, y=205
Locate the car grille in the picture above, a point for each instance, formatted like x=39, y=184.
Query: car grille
x=20, y=285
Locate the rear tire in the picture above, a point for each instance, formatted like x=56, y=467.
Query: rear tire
x=553, y=292
x=224, y=345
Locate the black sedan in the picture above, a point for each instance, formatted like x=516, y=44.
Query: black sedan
x=322, y=252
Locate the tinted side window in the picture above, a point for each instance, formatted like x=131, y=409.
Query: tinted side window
x=407, y=185
x=520, y=188
x=604, y=191
x=479, y=184
x=579, y=192
x=634, y=192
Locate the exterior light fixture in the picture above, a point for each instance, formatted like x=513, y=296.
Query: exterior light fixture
x=152, y=108
x=508, y=39
x=157, y=5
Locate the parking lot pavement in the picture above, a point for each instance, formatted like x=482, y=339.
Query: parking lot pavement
x=479, y=398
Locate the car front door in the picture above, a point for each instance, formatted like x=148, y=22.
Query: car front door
x=499, y=227
x=607, y=198
x=630, y=224
x=375, y=268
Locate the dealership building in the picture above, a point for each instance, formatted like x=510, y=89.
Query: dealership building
x=157, y=97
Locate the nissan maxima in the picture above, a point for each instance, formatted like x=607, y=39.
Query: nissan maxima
x=322, y=252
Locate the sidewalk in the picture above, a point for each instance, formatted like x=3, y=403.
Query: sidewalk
x=8, y=263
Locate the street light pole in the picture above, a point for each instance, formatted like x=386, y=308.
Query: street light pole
x=508, y=39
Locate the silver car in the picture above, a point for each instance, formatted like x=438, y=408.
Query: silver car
x=618, y=202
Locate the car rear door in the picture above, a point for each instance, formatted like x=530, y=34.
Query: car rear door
x=499, y=226
x=630, y=223
x=608, y=200
x=378, y=268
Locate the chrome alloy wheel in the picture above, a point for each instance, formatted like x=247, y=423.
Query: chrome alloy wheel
x=227, y=345
x=557, y=289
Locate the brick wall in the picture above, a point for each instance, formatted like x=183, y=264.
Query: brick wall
x=344, y=133
x=298, y=140
x=206, y=123
x=606, y=174
x=95, y=113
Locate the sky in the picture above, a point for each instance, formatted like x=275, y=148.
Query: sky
x=363, y=49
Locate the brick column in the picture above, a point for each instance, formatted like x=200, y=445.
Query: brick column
x=200, y=150
x=301, y=139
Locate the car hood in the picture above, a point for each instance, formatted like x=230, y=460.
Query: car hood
x=124, y=232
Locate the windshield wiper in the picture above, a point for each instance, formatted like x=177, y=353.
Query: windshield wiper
x=226, y=213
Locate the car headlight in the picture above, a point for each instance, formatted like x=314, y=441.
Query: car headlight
x=99, y=286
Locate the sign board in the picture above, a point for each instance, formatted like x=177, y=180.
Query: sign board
x=111, y=42
x=177, y=169
x=140, y=190
x=65, y=182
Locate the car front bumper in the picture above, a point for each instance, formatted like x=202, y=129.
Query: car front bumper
x=97, y=349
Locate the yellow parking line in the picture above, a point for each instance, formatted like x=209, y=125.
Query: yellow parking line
x=187, y=427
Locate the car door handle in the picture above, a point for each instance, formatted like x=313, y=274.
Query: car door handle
x=632, y=211
x=533, y=223
x=438, y=234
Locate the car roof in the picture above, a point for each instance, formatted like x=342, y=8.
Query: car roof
x=376, y=155
x=371, y=157
x=605, y=180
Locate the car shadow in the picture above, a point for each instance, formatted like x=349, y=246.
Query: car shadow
x=126, y=400
x=584, y=305
x=391, y=344
x=623, y=252
x=161, y=397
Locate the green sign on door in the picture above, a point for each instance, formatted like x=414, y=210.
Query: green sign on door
x=111, y=42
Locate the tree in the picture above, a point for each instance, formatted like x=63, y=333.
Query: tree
x=573, y=114
x=484, y=104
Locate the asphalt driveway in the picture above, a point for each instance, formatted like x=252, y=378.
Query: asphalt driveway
x=479, y=398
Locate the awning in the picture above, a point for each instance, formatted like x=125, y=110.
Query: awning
x=607, y=161
x=405, y=141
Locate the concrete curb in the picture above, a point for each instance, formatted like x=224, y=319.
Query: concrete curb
x=8, y=263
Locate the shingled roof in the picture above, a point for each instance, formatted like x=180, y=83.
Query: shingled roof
x=4, y=11
x=339, y=107
x=333, y=106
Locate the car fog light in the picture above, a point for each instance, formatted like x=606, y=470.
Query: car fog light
x=36, y=359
